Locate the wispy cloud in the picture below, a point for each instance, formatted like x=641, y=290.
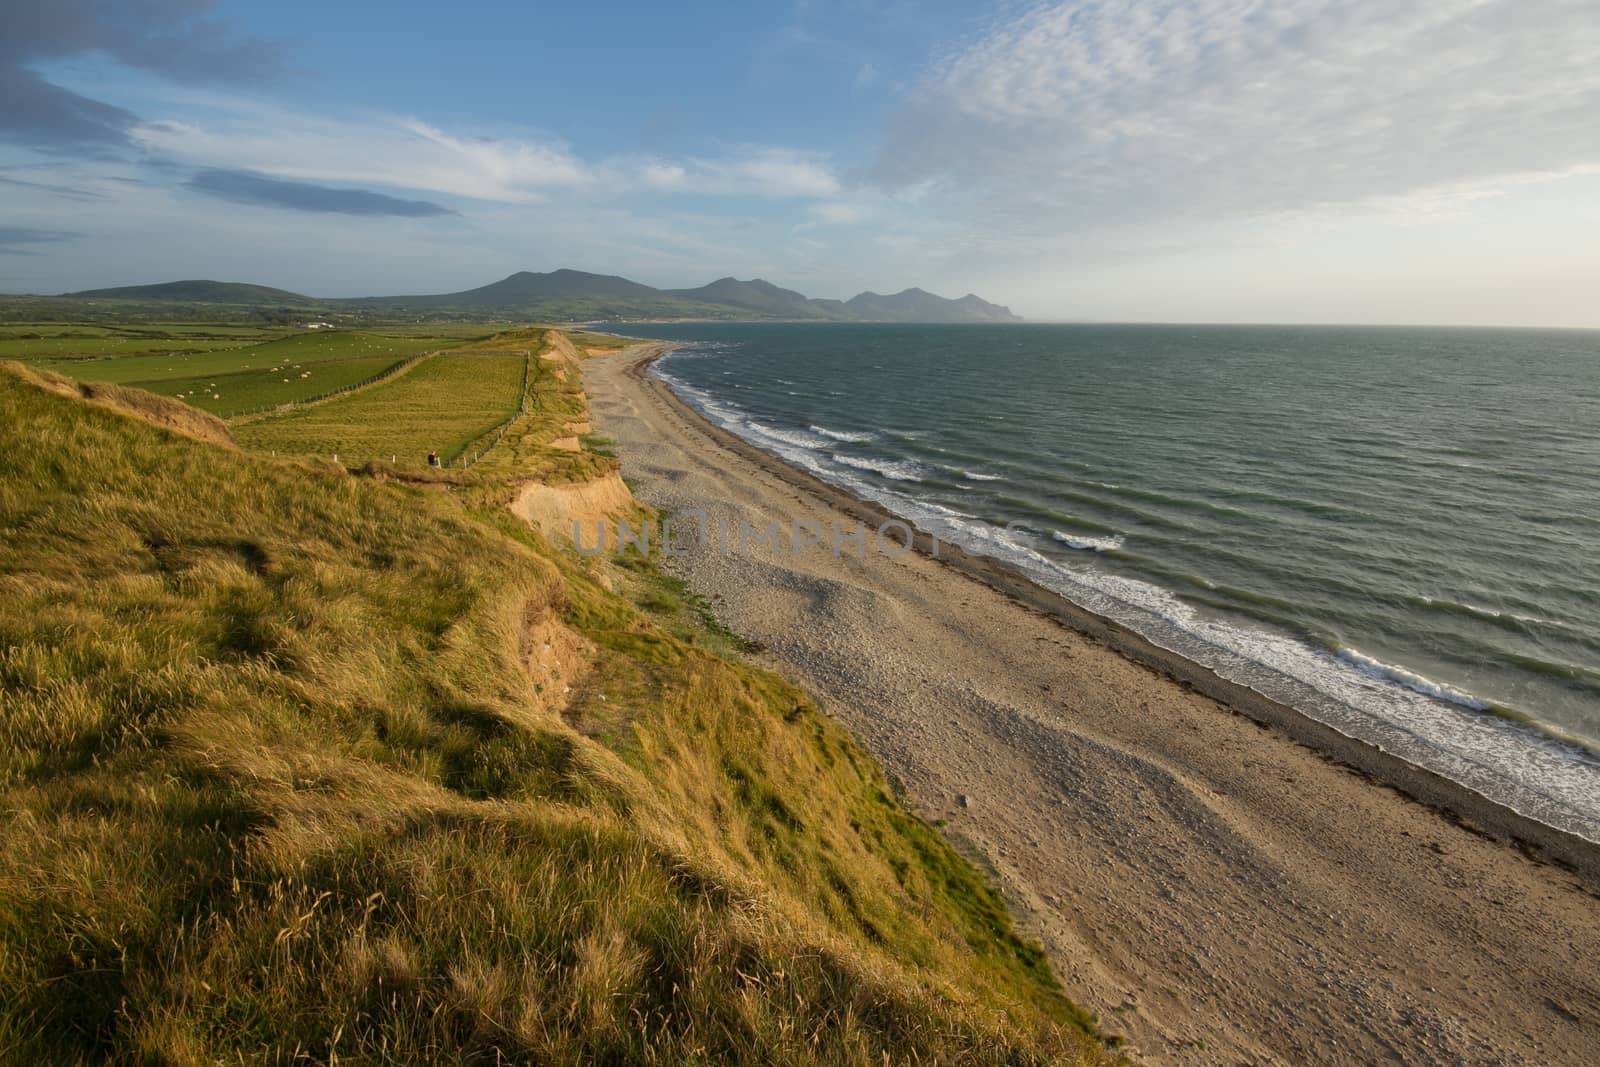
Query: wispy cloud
x=241, y=187
x=394, y=152
x=1099, y=110
x=65, y=192
x=23, y=240
x=407, y=153
x=838, y=213
x=773, y=172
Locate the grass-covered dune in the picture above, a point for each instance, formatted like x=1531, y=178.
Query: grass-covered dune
x=301, y=765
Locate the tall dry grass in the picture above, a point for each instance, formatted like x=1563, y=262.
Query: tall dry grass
x=296, y=765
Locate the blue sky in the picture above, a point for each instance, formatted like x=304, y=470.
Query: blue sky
x=1196, y=160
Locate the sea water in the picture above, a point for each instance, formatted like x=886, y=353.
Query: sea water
x=1396, y=531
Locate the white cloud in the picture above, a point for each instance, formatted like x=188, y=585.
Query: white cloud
x=775, y=172
x=753, y=171
x=838, y=213
x=377, y=151
x=1103, y=111
x=403, y=152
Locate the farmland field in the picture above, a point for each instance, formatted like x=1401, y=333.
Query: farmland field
x=103, y=348
x=288, y=353
x=443, y=403
x=242, y=392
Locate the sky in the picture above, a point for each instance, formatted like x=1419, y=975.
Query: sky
x=1338, y=161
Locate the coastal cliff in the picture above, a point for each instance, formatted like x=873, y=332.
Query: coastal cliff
x=305, y=761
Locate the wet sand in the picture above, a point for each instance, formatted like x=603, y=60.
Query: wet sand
x=1218, y=878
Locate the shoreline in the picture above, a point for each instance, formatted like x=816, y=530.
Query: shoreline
x=1420, y=784
x=1214, y=889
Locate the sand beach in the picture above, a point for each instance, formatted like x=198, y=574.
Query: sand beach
x=1218, y=878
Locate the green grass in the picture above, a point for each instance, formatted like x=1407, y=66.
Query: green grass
x=555, y=401
x=443, y=403
x=300, y=765
x=598, y=341
x=151, y=331
x=292, y=353
x=62, y=353
x=247, y=391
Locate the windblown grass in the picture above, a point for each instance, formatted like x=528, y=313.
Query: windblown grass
x=296, y=765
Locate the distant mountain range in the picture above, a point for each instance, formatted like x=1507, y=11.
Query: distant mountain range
x=572, y=295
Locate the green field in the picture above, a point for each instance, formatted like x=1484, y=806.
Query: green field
x=288, y=353
x=66, y=341
x=228, y=395
x=444, y=403
x=98, y=349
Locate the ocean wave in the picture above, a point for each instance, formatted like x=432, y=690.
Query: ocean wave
x=978, y=476
x=1387, y=672
x=1453, y=607
x=1088, y=544
x=797, y=438
x=899, y=470
x=849, y=437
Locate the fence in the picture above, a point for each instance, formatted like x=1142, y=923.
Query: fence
x=499, y=431
x=383, y=375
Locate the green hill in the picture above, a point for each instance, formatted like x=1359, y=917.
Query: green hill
x=198, y=292
x=760, y=296
x=526, y=287
x=296, y=764
x=560, y=295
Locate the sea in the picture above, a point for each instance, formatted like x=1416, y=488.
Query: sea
x=1394, y=530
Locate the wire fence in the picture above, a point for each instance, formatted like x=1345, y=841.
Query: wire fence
x=289, y=405
x=484, y=442
x=494, y=435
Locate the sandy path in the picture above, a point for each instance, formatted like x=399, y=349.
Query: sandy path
x=1215, y=891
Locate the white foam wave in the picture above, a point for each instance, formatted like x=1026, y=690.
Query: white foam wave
x=899, y=470
x=1490, y=613
x=1088, y=544
x=1387, y=672
x=797, y=438
x=849, y=437
x=979, y=476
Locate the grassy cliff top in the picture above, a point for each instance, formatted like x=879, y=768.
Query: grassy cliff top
x=299, y=764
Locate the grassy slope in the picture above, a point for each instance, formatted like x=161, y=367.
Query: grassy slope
x=285, y=773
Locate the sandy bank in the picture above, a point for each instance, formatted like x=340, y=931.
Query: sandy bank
x=554, y=508
x=1209, y=882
